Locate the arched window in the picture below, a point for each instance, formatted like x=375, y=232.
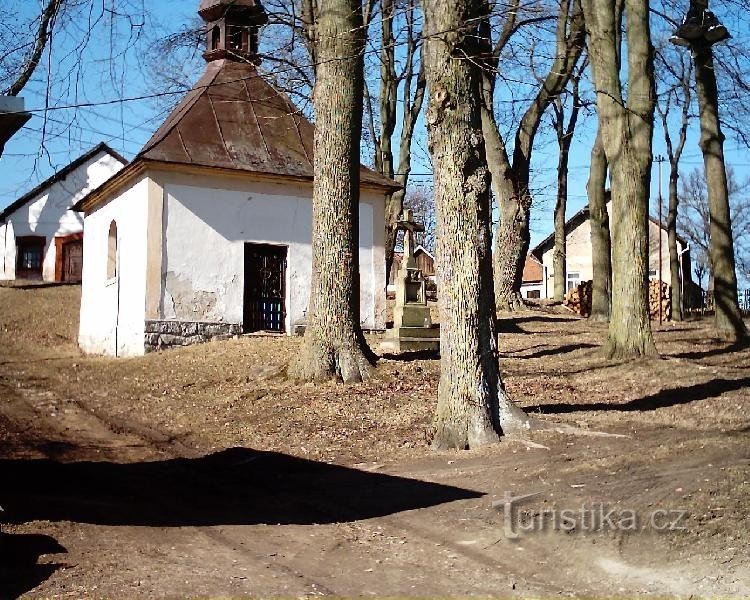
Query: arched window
x=215, y=37
x=112, y=251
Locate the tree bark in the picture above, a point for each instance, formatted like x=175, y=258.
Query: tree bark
x=473, y=407
x=560, y=250
x=601, y=243
x=333, y=345
x=627, y=132
x=721, y=247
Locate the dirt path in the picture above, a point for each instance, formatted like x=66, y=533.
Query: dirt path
x=201, y=473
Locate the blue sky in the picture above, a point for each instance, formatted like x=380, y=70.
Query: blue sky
x=126, y=125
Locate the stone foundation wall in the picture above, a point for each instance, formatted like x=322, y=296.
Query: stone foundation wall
x=169, y=334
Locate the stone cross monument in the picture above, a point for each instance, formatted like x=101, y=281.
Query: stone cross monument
x=412, y=325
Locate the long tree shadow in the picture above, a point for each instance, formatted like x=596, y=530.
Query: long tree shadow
x=738, y=346
x=412, y=356
x=555, y=350
x=233, y=487
x=510, y=324
x=19, y=553
x=662, y=399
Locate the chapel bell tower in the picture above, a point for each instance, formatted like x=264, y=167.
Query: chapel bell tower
x=232, y=29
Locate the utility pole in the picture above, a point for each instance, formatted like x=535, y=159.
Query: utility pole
x=660, y=159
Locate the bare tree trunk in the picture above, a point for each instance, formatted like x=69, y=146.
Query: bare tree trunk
x=627, y=131
x=560, y=250
x=721, y=249
x=601, y=244
x=680, y=94
x=675, y=277
x=413, y=82
x=333, y=344
x=473, y=408
x=564, y=140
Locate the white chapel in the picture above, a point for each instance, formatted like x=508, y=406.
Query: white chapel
x=207, y=232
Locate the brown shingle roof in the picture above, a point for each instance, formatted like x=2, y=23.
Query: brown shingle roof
x=533, y=271
x=234, y=119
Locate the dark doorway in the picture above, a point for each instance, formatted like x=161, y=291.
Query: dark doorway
x=265, y=277
x=29, y=256
x=73, y=261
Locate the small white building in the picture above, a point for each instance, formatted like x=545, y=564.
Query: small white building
x=208, y=231
x=579, y=261
x=40, y=236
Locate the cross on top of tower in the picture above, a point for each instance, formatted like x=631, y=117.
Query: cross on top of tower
x=232, y=29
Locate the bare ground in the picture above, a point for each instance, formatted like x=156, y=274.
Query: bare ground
x=204, y=472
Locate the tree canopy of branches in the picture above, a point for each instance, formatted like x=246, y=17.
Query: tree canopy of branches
x=510, y=177
x=694, y=222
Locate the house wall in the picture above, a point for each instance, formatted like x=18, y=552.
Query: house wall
x=208, y=220
x=113, y=308
x=579, y=259
x=48, y=214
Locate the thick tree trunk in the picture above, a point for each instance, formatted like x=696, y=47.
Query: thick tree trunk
x=721, y=247
x=333, y=345
x=512, y=239
x=601, y=244
x=627, y=131
x=473, y=407
x=675, y=277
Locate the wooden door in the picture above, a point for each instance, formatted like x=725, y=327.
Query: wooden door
x=29, y=256
x=73, y=261
x=265, y=282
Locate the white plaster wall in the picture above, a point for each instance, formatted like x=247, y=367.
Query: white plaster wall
x=579, y=259
x=208, y=221
x=528, y=287
x=113, y=311
x=7, y=251
x=48, y=214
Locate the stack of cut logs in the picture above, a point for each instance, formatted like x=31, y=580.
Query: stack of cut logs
x=578, y=299
x=653, y=300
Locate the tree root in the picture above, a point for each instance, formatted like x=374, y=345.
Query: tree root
x=319, y=360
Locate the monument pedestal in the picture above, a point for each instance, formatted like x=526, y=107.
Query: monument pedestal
x=412, y=326
x=411, y=339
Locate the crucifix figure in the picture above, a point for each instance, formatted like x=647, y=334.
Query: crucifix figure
x=409, y=227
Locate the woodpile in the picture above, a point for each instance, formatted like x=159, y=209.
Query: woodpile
x=578, y=299
x=653, y=300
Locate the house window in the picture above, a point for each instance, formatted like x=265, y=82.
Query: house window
x=534, y=294
x=652, y=274
x=573, y=280
x=215, y=37
x=112, y=251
